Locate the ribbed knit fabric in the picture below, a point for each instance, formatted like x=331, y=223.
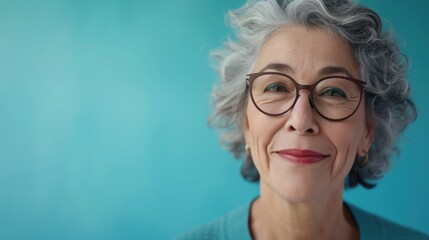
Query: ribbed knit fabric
x=234, y=226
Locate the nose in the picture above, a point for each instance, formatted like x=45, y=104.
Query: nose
x=302, y=116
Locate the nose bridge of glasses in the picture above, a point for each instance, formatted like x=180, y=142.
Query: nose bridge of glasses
x=300, y=87
x=309, y=91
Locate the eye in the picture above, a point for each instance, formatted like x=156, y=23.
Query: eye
x=333, y=92
x=276, y=87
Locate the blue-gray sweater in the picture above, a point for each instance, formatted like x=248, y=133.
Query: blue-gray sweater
x=234, y=226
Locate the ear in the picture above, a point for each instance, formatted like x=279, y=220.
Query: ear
x=367, y=139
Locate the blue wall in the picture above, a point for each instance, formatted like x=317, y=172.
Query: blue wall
x=103, y=108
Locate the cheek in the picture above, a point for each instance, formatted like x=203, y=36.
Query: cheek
x=346, y=145
x=260, y=132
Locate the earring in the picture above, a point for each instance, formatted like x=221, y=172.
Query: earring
x=247, y=150
x=248, y=169
x=362, y=160
x=366, y=160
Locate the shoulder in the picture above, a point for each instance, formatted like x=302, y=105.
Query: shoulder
x=232, y=225
x=372, y=226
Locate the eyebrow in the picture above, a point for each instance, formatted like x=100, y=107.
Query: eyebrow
x=278, y=66
x=328, y=70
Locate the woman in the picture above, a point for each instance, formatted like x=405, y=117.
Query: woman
x=315, y=95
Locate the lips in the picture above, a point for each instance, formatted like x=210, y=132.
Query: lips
x=302, y=156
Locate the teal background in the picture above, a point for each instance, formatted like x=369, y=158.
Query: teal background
x=103, y=108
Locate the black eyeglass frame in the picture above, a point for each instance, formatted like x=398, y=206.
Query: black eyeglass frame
x=252, y=76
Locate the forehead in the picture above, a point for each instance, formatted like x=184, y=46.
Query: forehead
x=306, y=50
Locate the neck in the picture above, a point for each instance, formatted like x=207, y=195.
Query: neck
x=273, y=217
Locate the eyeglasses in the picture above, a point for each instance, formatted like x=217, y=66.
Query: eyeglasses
x=334, y=98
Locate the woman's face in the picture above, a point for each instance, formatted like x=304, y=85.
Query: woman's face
x=300, y=155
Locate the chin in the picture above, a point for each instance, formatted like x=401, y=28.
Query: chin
x=299, y=189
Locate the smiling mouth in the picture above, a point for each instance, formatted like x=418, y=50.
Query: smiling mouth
x=301, y=156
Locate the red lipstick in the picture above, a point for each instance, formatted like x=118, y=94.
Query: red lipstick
x=301, y=156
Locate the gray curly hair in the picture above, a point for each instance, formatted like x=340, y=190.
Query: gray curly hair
x=382, y=66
